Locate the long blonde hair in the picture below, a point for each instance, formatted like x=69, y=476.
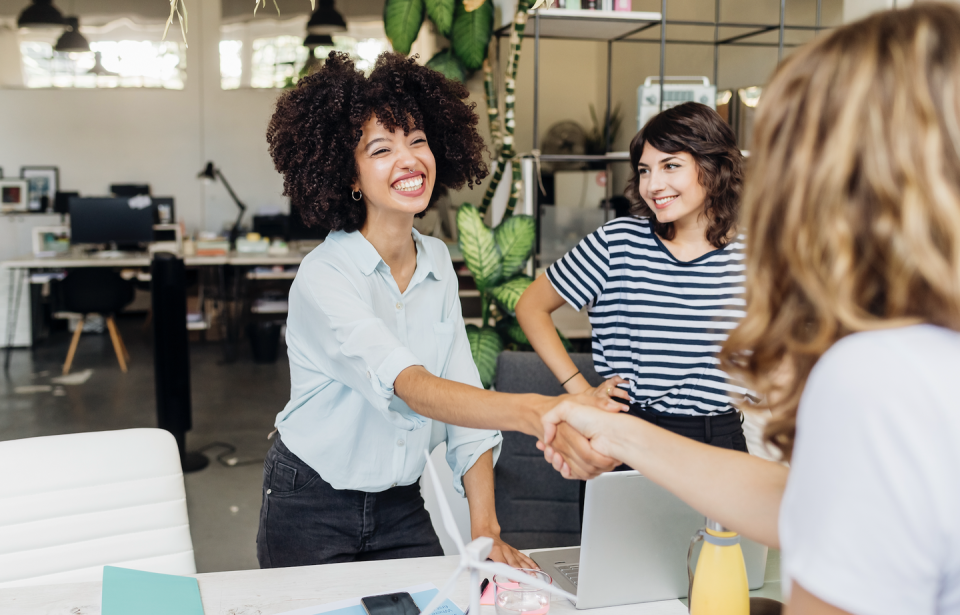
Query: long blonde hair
x=852, y=199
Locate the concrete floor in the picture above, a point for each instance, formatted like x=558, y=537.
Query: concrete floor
x=233, y=403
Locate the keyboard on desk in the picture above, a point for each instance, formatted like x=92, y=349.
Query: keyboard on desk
x=570, y=571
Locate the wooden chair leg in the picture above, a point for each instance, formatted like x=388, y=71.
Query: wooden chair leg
x=115, y=338
x=123, y=347
x=73, y=346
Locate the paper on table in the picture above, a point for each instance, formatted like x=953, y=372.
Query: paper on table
x=128, y=591
x=422, y=594
x=663, y=607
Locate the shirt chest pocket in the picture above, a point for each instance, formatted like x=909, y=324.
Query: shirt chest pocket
x=444, y=334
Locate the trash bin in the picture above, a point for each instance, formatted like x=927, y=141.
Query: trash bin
x=264, y=340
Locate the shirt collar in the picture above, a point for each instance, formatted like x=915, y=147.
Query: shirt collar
x=368, y=259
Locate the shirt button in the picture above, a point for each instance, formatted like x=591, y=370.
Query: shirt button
x=399, y=305
x=368, y=374
x=399, y=442
x=393, y=485
x=269, y=491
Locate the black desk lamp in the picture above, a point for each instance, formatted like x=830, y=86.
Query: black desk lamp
x=212, y=173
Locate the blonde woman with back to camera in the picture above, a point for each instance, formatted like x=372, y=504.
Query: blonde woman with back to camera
x=852, y=330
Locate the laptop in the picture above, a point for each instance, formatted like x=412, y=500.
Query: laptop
x=634, y=545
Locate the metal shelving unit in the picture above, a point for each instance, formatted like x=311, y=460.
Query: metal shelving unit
x=630, y=27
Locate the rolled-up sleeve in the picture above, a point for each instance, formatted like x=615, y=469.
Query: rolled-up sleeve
x=365, y=353
x=464, y=448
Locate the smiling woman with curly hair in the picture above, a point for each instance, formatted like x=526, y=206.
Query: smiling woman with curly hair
x=380, y=364
x=319, y=123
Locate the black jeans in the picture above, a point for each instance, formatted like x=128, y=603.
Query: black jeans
x=305, y=521
x=722, y=430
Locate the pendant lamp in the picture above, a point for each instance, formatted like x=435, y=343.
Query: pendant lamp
x=326, y=19
x=40, y=14
x=72, y=40
x=318, y=40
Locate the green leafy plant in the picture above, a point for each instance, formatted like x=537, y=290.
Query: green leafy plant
x=502, y=131
x=496, y=258
x=597, y=138
x=467, y=23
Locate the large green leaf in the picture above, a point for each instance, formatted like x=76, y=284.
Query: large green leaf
x=480, y=251
x=485, y=346
x=515, y=237
x=402, y=20
x=441, y=12
x=471, y=34
x=448, y=64
x=508, y=293
x=516, y=333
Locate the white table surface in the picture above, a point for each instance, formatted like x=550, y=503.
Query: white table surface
x=267, y=592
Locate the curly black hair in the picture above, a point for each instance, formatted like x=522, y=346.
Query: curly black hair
x=701, y=132
x=315, y=130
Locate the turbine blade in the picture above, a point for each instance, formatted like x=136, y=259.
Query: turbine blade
x=444, y=593
x=449, y=523
x=521, y=577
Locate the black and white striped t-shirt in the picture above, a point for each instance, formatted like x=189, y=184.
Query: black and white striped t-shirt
x=657, y=321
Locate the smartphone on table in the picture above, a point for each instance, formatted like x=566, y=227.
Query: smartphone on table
x=400, y=603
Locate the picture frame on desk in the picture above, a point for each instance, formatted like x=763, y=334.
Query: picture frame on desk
x=13, y=196
x=43, y=184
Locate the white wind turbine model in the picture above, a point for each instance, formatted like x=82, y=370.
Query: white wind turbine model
x=473, y=557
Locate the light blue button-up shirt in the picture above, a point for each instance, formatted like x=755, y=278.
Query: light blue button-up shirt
x=350, y=332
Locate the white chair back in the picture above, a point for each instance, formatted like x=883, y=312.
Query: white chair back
x=71, y=504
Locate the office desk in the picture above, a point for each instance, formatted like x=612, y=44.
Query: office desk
x=21, y=266
x=142, y=259
x=267, y=592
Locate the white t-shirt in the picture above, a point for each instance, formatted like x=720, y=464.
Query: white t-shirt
x=870, y=520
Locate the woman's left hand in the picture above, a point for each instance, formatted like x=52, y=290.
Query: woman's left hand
x=505, y=554
x=610, y=390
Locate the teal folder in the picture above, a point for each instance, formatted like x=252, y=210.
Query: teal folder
x=134, y=592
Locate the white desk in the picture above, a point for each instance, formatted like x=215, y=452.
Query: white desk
x=266, y=592
x=20, y=266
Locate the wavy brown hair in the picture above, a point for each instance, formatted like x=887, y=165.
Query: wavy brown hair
x=699, y=131
x=852, y=201
x=314, y=132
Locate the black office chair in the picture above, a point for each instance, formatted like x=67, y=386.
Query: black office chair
x=96, y=291
x=536, y=507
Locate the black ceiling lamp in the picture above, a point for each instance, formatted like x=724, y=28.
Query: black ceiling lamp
x=72, y=40
x=318, y=40
x=40, y=14
x=326, y=19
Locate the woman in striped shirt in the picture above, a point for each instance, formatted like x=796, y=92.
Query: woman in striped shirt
x=663, y=287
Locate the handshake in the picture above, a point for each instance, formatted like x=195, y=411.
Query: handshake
x=580, y=433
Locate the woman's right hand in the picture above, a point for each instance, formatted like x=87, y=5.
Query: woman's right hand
x=597, y=426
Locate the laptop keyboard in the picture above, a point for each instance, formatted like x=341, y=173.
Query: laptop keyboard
x=570, y=571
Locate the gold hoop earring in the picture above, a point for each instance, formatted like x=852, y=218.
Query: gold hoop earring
x=354, y=193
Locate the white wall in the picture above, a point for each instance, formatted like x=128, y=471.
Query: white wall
x=160, y=137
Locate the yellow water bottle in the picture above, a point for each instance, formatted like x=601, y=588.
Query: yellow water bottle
x=720, y=585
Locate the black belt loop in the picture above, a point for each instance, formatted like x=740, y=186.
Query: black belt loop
x=707, y=433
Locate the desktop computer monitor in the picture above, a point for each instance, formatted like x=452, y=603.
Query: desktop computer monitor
x=121, y=221
x=61, y=202
x=121, y=190
x=297, y=230
x=274, y=227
